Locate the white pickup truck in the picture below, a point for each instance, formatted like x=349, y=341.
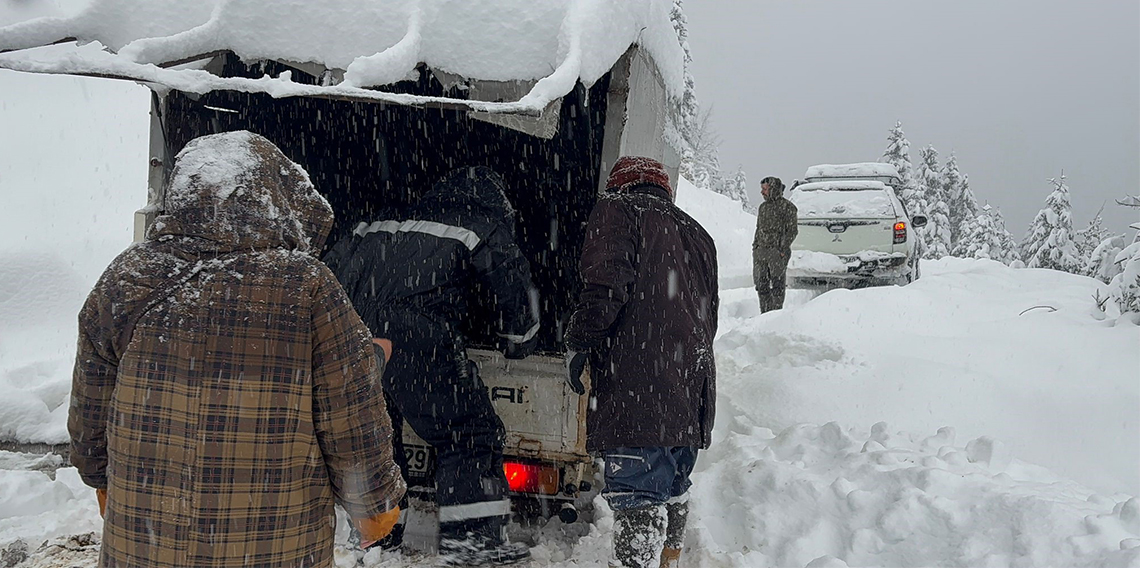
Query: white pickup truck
x=853, y=229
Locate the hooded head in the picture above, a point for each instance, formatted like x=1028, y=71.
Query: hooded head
x=771, y=188
x=476, y=189
x=238, y=191
x=632, y=171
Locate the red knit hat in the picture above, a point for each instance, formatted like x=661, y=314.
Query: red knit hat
x=630, y=171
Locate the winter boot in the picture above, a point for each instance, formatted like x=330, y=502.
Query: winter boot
x=639, y=535
x=479, y=542
x=678, y=515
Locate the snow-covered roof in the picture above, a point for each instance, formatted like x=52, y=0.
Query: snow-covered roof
x=859, y=170
x=842, y=185
x=552, y=43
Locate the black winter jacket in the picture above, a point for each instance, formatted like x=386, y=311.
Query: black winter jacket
x=648, y=315
x=452, y=255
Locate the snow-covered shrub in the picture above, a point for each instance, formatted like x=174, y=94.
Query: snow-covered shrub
x=1124, y=289
x=1102, y=261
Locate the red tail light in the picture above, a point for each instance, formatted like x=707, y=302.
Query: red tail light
x=900, y=232
x=531, y=478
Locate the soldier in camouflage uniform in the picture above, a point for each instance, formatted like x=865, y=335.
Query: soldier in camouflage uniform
x=776, y=228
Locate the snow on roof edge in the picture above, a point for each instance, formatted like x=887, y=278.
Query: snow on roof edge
x=201, y=82
x=377, y=42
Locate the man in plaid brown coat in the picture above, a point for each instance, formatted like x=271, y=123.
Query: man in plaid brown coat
x=225, y=392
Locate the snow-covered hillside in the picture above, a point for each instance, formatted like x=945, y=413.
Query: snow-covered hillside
x=939, y=424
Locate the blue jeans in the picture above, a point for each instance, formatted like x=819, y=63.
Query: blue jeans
x=641, y=477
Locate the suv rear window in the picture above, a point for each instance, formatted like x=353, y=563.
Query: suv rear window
x=843, y=204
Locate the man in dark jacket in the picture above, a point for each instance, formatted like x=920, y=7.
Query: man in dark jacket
x=225, y=392
x=415, y=280
x=646, y=319
x=776, y=227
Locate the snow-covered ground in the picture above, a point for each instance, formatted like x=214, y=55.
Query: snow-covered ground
x=979, y=417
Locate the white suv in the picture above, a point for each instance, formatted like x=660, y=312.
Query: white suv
x=853, y=229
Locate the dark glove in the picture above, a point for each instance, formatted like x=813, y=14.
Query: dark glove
x=576, y=364
x=520, y=350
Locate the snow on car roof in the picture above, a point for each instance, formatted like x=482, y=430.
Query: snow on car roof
x=374, y=42
x=842, y=185
x=866, y=204
x=863, y=169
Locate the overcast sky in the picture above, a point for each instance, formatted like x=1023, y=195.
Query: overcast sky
x=1018, y=89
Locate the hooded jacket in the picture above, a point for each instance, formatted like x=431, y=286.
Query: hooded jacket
x=448, y=263
x=225, y=393
x=777, y=224
x=648, y=315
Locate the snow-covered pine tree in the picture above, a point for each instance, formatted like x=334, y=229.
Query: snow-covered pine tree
x=690, y=109
x=1009, y=251
x=963, y=207
x=898, y=155
x=931, y=192
x=1049, y=241
x=981, y=239
x=1091, y=237
x=700, y=159
x=736, y=187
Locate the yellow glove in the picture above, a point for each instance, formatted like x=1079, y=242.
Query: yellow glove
x=377, y=527
x=101, y=496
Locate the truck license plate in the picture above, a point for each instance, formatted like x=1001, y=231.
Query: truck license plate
x=421, y=460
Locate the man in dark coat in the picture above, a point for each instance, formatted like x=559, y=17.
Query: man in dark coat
x=416, y=280
x=777, y=224
x=225, y=393
x=646, y=319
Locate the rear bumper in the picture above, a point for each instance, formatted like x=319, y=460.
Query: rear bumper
x=809, y=268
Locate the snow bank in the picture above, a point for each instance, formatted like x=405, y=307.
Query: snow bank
x=729, y=225
x=825, y=496
x=972, y=344
x=376, y=41
x=67, y=212
x=35, y=506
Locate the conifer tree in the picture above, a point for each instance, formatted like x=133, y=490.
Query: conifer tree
x=960, y=201
x=983, y=239
x=931, y=193
x=736, y=187
x=700, y=160
x=1049, y=241
x=1008, y=251
x=1091, y=236
x=898, y=155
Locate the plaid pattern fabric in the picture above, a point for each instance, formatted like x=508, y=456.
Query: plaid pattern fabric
x=244, y=404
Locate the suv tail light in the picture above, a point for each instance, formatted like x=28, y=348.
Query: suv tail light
x=900, y=232
x=531, y=478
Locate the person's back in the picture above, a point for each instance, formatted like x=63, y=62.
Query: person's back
x=456, y=244
x=420, y=280
x=666, y=329
x=225, y=392
x=646, y=317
